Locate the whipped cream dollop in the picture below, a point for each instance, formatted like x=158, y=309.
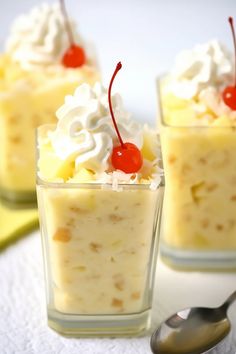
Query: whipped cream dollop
x=205, y=65
x=39, y=39
x=85, y=132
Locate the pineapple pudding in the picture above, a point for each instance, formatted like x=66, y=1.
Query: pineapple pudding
x=36, y=72
x=198, y=136
x=99, y=223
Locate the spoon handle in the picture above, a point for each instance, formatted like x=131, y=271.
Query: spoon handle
x=230, y=300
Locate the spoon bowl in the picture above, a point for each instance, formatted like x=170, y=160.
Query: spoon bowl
x=193, y=330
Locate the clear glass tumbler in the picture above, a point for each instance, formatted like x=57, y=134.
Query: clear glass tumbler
x=199, y=212
x=27, y=102
x=100, y=249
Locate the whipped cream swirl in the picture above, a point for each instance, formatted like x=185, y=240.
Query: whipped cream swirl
x=85, y=133
x=39, y=39
x=206, y=65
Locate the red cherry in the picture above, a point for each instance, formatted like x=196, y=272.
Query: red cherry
x=74, y=57
x=125, y=157
x=229, y=93
x=229, y=97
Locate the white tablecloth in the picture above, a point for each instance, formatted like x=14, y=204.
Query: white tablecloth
x=23, y=328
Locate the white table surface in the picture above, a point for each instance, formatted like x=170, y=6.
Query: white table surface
x=23, y=328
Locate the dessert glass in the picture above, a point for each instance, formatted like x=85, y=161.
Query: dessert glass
x=25, y=104
x=100, y=249
x=199, y=212
x=34, y=80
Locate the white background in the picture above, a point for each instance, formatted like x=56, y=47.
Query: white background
x=145, y=35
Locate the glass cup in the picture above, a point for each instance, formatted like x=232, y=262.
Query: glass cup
x=100, y=249
x=199, y=212
x=26, y=103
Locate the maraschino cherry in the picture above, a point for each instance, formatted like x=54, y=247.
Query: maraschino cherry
x=126, y=156
x=229, y=93
x=75, y=56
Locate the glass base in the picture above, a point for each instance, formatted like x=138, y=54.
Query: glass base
x=99, y=325
x=18, y=197
x=198, y=260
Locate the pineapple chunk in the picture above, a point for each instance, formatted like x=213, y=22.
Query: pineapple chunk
x=182, y=117
x=52, y=167
x=172, y=102
x=82, y=176
x=223, y=121
x=150, y=144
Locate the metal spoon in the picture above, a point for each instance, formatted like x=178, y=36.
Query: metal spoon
x=193, y=331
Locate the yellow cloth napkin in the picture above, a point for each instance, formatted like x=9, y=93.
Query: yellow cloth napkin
x=16, y=222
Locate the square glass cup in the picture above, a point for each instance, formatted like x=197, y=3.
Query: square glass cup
x=199, y=211
x=25, y=105
x=100, y=252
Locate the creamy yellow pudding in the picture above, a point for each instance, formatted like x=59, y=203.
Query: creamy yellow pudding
x=100, y=243
x=198, y=144
x=99, y=225
x=33, y=83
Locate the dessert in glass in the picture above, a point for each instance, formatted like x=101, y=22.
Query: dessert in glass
x=100, y=200
x=198, y=136
x=36, y=71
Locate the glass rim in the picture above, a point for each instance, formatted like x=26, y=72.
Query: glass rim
x=97, y=185
x=168, y=125
x=40, y=182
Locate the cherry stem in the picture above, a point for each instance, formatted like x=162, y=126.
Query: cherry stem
x=118, y=67
x=67, y=22
x=231, y=22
